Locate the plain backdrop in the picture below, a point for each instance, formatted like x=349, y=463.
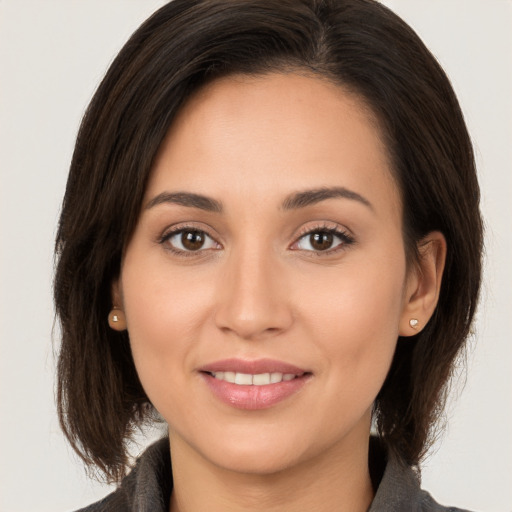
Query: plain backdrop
x=52, y=55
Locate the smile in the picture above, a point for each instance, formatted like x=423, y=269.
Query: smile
x=254, y=385
x=259, y=379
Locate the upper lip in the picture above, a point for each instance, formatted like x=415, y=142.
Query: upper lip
x=253, y=367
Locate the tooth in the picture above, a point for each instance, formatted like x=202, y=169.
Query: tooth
x=247, y=379
x=244, y=379
x=276, y=377
x=261, y=379
x=229, y=376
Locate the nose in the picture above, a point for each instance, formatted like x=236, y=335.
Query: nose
x=252, y=300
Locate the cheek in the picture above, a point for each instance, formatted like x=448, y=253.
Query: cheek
x=355, y=321
x=163, y=313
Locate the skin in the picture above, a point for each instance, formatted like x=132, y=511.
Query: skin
x=255, y=290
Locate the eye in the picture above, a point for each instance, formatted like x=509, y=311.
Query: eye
x=323, y=240
x=189, y=240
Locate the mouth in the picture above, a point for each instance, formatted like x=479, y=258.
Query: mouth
x=258, y=379
x=253, y=385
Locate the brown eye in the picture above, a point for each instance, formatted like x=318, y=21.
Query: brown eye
x=192, y=240
x=321, y=241
x=189, y=240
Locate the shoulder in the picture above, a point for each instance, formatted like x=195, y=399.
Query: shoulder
x=428, y=504
x=400, y=490
x=147, y=487
x=397, y=486
x=115, y=501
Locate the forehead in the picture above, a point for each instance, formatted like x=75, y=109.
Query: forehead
x=268, y=135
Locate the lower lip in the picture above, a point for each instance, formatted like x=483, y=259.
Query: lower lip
x=252, y=397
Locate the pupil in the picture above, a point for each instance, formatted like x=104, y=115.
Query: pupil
x=192, y=240
x=321, y=241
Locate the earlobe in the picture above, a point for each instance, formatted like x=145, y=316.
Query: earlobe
x=423, y=284
x=116, y=317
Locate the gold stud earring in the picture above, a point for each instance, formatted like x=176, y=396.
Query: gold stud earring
x=413, y=322
x=116, y=319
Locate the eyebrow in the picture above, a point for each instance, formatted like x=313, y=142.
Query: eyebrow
x=186, y=199
x=314, y=196
x=292, y=202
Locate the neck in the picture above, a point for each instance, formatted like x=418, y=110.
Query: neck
x=338, y=482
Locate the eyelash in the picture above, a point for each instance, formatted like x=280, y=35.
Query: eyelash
x=345, y=238
x=177, y=230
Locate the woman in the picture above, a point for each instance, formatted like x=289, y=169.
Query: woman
x=275, y=205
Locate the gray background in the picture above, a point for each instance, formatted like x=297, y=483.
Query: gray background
x=52, y=55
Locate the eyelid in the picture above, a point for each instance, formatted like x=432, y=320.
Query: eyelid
x=181, y=227
x=341, y=232
x=335, y=229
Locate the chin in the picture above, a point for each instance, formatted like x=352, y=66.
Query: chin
x=264, y=455
x=256, y=462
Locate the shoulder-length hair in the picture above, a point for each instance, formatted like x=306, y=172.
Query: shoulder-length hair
x=358, y=44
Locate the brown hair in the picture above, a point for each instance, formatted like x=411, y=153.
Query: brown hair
x=359, y=44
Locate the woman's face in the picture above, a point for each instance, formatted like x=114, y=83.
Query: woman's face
x=268, y=251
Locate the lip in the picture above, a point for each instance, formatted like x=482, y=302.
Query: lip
x=252, y=397
x=255, y=366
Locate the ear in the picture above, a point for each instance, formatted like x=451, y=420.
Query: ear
x=116, y=317
x=423, y=284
